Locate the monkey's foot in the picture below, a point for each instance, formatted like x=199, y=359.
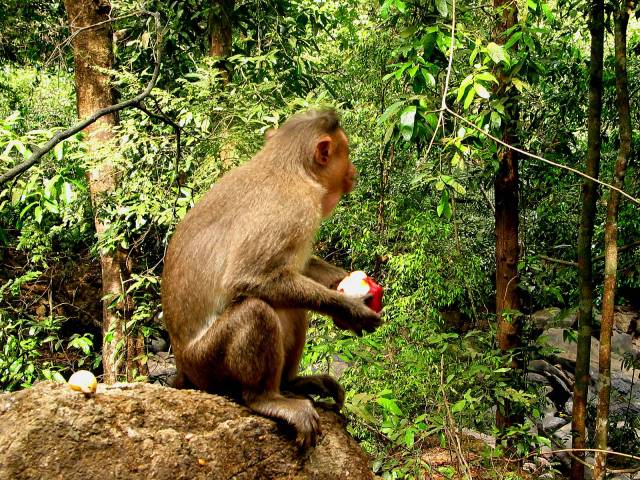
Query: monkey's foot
x=299, y=413
x=323, y=386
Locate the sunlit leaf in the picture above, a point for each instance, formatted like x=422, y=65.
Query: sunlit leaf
x=407, y=122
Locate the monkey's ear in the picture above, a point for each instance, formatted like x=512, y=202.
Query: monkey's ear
x=269, y=134
x=323, y=150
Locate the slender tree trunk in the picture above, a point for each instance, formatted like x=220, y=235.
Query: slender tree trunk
x=506, y=226
x=611, y=248
x=93, y=49
x=220, y=44
x=585, y=236
x=220, y=30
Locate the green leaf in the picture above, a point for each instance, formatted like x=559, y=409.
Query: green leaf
x=442, y=7
x=409, y=438
x=468, y=99
x=391, y=110
x=520, y=85
x=497, y=53
x=389, y=405
x=496, y=120
x=458, y=406
x=407, y=122
x=444, y=207
x=481, y=90
x=513, y=40
x=428, y=77
x=468, y=80
x=59, y=151
x=486, y=76
x=38, y=214
x=408, y=32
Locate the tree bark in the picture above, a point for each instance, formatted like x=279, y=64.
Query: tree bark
x=93, y=49
x=585, y=236
x=621, y=21
x=506, y=226
x=220, y=30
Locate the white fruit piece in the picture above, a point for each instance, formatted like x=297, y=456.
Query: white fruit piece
x=354, y=284
x=83, y=381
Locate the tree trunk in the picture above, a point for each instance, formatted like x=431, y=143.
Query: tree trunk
x=506, y=226
x=220, y=29
x=93, y=49
x=585, y=236
x=611, y=249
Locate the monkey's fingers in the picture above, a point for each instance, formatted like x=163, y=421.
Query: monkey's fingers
x=308, y=430
x=341, y=323
x=370, y=327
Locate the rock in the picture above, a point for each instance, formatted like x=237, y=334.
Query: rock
x=537, y=378
x=140, y=431
x=564, y=435
x=551, y=423
x=621, y=343
x=162, y=368
x=626, y=320
x=542, y=319
x=488, y=440
x=558, y=380
x=568, y=407
x=542, y=463
x=158, y=344
x=549, y=408
x=338, y=367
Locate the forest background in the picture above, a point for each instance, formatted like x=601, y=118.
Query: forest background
x=468, y=237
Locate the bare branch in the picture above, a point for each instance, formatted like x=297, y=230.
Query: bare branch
x=569, y=263
x=63, y=135
x=538, y=157
x=566, y=263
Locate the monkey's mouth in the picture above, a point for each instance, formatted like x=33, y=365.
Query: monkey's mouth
x=350, y=183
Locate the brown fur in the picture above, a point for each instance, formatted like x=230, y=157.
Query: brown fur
x=239, y=276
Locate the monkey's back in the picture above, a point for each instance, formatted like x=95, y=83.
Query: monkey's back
x=248, y=225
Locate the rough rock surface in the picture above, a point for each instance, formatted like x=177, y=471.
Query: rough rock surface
x=143, y=431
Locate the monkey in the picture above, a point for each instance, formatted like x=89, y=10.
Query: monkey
x=239, y=275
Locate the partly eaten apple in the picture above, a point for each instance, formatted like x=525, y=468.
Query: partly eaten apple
x=359, y=284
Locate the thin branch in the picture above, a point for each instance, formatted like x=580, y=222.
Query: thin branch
x=538, y=157
x=58, y=48
x=444, y=107
x=176, y=128
x=445, y=90
x=569, y=263
x=63, y=135
x=488, y=200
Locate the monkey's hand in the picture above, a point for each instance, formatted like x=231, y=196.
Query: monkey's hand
x=359, y=317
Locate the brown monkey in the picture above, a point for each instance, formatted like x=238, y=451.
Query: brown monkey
x=239, y=275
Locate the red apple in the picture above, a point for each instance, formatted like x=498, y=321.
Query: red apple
x=359, y=284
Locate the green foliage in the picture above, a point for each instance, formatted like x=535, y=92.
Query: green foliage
x=420, y=220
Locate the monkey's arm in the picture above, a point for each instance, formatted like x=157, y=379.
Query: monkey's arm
x=293, y=290
x=324, y=273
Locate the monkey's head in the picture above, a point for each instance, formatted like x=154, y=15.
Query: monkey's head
x=315, y=141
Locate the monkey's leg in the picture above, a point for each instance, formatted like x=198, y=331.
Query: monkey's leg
x=320, y=385
x=243, y=349
x=181, y=381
